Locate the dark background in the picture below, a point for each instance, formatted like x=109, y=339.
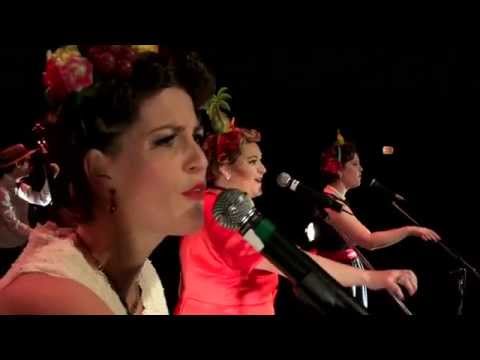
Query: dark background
x=421, y=100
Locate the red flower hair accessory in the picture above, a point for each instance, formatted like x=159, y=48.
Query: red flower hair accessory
x=68, y=70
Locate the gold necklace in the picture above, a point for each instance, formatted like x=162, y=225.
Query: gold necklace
x=80, y=243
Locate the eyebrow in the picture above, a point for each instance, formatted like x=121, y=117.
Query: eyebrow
x=176, y=129
x=166, y=127
x=254, y=157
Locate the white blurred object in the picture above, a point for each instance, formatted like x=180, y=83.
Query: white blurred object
x=388, y=150
x=310, y=231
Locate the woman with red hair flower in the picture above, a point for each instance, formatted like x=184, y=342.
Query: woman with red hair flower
x=335, y=234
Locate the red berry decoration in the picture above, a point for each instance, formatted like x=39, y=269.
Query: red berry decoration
x=115, y=49
x=124, y=68
x=104, y=63
x=127, y=53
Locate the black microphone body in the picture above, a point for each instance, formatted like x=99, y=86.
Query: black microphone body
x=319, y=288
x=286, y=181
x=377, y=185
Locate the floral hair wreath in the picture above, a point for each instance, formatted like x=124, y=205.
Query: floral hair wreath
x=71, y=70
x=227, y=138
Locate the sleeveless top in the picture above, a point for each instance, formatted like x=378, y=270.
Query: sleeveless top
x=57, y=256
x=327, y=242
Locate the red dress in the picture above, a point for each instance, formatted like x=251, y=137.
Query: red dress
x=219, y=275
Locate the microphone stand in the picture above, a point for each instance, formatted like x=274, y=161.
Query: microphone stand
x=449, y=251
x=461, y=273
x=452, y=254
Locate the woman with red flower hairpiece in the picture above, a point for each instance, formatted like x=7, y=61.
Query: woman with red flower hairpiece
x=127, y=139
x=335, y=234
x=222, y=274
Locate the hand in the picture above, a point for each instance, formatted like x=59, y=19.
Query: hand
x=391, y=280
x=424, y=233
x=55, y=169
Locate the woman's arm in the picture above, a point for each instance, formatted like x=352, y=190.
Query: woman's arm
x=355, y=233
x=41, y=294
x=349, y=276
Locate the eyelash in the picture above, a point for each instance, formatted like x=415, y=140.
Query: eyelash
x=166, y=141
x=169, y=140
x=199, y=137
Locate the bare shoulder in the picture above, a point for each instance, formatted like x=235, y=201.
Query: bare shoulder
x=42, y=294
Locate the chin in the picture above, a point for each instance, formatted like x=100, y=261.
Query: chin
x=257, y=194
x=356, y=185
x=191, y=221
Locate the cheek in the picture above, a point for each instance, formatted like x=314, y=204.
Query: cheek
x=346, y=175
x=145, y=178
x=353, y=176
x=152, y=196
x=155, y=181
x=244, y=173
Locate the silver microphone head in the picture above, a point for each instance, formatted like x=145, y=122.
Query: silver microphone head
x=233, y=208
x=283, y=180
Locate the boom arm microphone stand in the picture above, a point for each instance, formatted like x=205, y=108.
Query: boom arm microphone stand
x=452, y=254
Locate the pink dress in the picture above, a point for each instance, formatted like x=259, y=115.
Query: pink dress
x=219, y=275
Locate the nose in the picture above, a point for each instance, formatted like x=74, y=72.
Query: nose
x=262, y=169
x=197, y=161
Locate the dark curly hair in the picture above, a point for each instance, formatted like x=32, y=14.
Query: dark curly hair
x=98, y=115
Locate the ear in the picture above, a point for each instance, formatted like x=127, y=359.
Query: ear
x=97, y=167
x=225, y=172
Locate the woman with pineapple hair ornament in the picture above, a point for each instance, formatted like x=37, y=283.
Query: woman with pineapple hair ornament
x=336, y=234
x=222, y=274
x=126, y=135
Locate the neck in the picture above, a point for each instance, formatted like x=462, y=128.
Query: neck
x=340, y=188
x=120, y=253
x=218, y=187
x=222, y=184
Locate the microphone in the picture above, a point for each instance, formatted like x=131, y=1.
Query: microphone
x=234, y=210
x=377, y=185
x=284, y=180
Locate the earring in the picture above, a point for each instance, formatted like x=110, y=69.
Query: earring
x=113, y=201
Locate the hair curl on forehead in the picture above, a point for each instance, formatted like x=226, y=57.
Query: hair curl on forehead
x=225, y=149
